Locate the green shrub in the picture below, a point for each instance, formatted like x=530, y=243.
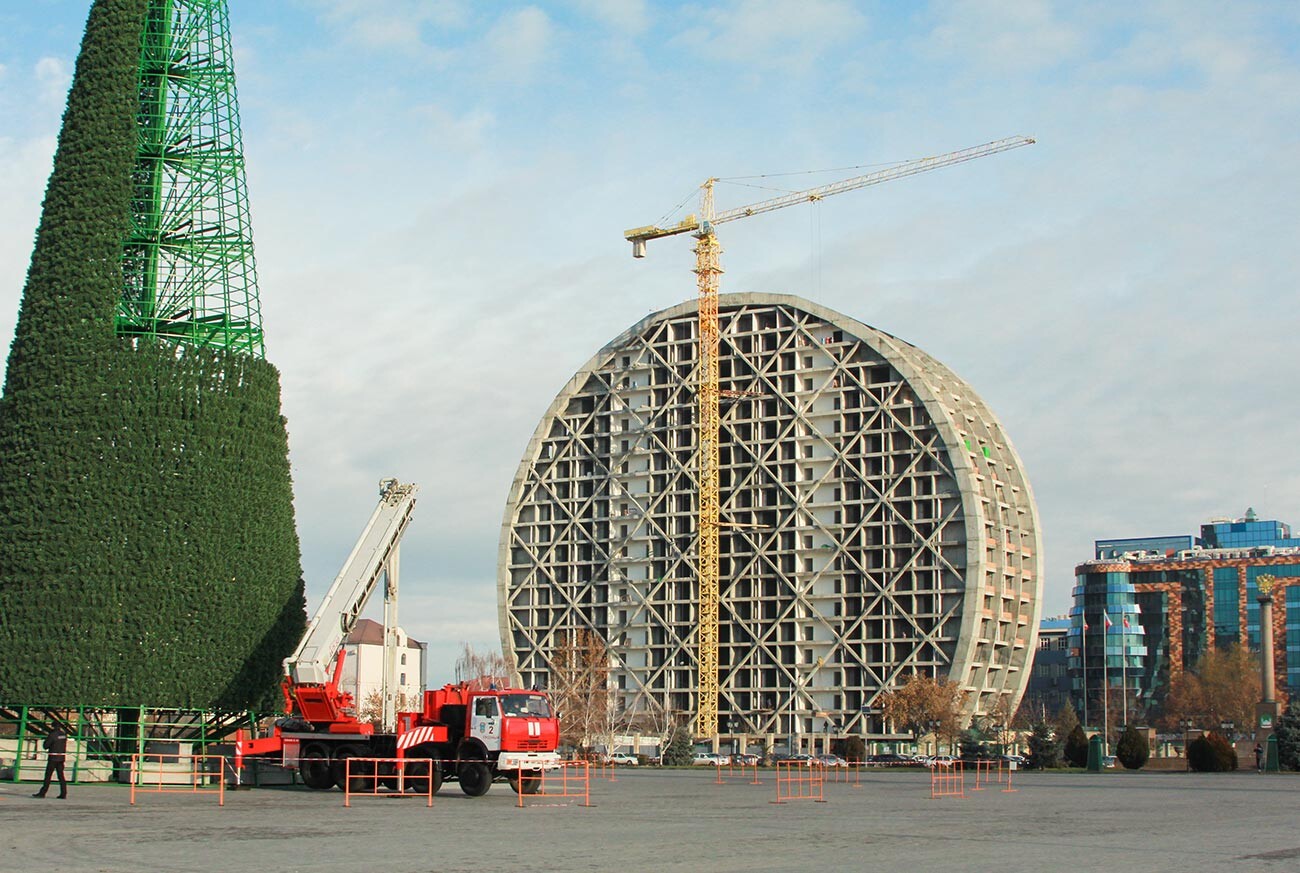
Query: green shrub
x=1211, y=753
x=681, y=749
x=1287, y=731
x=1044, y=747
x=1132, y=749
x=1076, y=747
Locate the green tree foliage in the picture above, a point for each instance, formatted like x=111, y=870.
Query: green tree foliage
x=1066, y=720
x=1211, y=753
x=1132, y=749
x=854, y=750
x=1287, y=731
x=148, y=553
x=1044, y=747
x=1076, y=747
x=681, y=748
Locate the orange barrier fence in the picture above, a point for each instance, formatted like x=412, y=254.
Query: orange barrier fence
x=387, y=777
x=571, y=780
x=1009, y=771
x=796, y=780
x=849, y=773
x=174, y=774
x=948, y=781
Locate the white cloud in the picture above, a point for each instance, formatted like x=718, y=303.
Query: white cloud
x=625, y=17
x=53, y=79
x=1004, y=35
x=395, y=24
x=518, y=43
x=771, y=33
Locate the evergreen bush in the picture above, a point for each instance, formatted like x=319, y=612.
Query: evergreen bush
x=1132, y=749
x=148, y=553
x=681, y=749
x=1076, y=747
x=1287, y=731
x=1044, y=747
x=1211, y=753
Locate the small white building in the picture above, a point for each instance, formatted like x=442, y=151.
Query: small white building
x=363, y=668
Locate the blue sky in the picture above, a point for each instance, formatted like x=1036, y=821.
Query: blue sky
x=439, y=191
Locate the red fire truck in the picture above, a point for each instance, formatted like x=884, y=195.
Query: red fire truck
x=463, y=733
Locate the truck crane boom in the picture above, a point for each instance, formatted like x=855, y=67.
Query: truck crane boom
x=707, y=270
x=375, y=554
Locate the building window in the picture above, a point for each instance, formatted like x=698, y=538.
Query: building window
x=403, y=661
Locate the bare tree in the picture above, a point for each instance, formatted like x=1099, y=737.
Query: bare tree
x=481, y=670
x=1225, y=686
x=924, y=705
x=580, y=688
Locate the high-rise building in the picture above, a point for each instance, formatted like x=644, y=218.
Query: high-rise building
x=876, y=523
x=1154, y=612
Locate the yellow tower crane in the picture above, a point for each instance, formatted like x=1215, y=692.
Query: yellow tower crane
x=707, y=269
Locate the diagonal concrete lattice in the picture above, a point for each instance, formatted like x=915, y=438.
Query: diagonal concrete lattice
x=876, y=523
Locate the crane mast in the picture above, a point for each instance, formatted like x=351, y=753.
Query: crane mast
x=708, y=267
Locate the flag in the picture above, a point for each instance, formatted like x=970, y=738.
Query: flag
x=1105, y=617
x=1126, y=622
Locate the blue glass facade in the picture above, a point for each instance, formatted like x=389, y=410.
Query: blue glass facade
x=1227, y=607
x=1247, y=533
x=1107, y=643
x=1167, y=546
x=1164, y=587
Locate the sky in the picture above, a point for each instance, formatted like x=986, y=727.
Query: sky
x=439, y=190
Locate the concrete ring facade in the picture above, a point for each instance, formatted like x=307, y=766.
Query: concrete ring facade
x=877, y=522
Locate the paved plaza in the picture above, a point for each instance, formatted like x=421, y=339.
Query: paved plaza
x=668, y=820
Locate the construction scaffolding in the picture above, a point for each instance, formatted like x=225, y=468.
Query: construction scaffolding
x=874, y=522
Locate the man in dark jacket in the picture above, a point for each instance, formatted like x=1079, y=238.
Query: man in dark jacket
x=56, y=745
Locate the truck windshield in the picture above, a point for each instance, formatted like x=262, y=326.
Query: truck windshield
x=534, y=705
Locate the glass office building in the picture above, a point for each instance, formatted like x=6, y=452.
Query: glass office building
x=1180, y=602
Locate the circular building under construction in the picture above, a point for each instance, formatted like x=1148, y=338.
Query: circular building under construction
x=876, y=523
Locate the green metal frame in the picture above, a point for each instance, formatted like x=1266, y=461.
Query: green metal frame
x=101, y=741
x=187, y=263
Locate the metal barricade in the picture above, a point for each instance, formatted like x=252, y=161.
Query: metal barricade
x=798, y=780
x=182, y=774
x=571, y=781
x=387, y=777
x=948, y=780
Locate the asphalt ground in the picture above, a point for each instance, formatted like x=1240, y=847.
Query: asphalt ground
x=669, y=820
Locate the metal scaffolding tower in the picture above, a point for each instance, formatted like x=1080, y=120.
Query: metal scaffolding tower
x=189, y=274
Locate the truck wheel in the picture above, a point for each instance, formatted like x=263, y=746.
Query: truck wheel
x=361, y=780
x=314, y=768
x=475, y=777
x=419, y=771
x=526, y=781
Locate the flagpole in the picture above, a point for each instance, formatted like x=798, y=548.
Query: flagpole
x=1123, y=631
x=1083, y=658
x=1105, y=683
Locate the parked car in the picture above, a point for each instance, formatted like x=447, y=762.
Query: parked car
x=710, y=759
x=745, y=759
x=832, y=761
x=623, y=759
x=889, y=759
x=940, y=761
x=1018, y=760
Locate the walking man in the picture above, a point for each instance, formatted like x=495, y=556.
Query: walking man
x=1259, y=758
x=56, y=746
